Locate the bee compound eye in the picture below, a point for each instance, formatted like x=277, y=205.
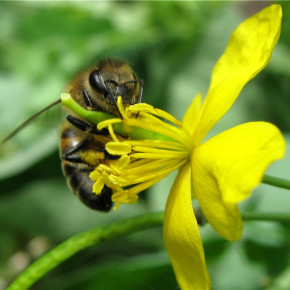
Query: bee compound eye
x=96, y=81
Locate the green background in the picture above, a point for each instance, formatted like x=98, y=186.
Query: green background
x=173, y=46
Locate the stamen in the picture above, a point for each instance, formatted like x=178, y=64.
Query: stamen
x=101, y=168
x=147, y=165
x=159, y=156
x=104, y=124
x=121, y=108
x=117, y=197
x=119, y=181
x=157, y=144
x=98, y=186
x=145, y=149
x=142, y=163
x=161, y=129
x=163, y=172
x=118, y=148
x=143, y=107
x=142, y=186
x=123, y=197
x=168, y=117
x=112, y=133
x=120, y=164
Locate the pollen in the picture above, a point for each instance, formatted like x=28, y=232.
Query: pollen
x=92, y=157
x=145, y=161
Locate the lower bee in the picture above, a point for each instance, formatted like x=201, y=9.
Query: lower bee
x=94, y=89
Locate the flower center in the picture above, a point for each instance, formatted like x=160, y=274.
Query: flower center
x=142, y=162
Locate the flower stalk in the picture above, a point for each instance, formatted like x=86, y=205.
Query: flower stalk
x=95, y=236
x=80, y=242
x=275, y=181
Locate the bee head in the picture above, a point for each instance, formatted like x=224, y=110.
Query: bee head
x=114, y=81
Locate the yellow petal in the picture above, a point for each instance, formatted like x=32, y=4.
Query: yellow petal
x=191, y=116
x=226, y=168
x=247, y=53
x=181, y=235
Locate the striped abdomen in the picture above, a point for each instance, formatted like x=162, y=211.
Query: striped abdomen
x=73, y=142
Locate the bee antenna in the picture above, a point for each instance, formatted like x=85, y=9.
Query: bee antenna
x=20, y=127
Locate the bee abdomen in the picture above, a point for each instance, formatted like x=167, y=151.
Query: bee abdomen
x=80, y=183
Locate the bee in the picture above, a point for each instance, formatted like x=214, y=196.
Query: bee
x=96, y=89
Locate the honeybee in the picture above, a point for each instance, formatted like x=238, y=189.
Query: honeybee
x=97, y=89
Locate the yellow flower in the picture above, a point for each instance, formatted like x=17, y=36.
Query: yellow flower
x=219, y=173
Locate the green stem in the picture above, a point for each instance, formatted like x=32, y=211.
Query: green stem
x=80, y=242
x=93, y=116
x=271, y=217
x=97, y=235
x=275, y=181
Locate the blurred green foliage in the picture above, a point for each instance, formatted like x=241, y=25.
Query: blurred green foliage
x=173, y=46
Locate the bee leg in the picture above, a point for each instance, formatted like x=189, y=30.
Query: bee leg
x=71, y=157
x=109, y=156
x=68, y=155
x=83, y=126
x=88, y=101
